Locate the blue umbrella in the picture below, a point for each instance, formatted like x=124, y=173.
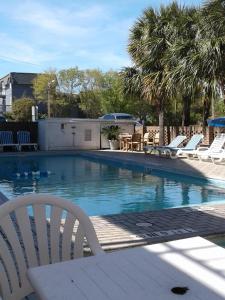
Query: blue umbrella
x=217, y=122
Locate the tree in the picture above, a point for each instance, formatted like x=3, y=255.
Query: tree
x=90, y=101
x=148, y=44
x=211, y=46
x=22, y=109
x=181, y=33
x=112, y=96
x=70, y=81
x=44, y=87
x=132, y=84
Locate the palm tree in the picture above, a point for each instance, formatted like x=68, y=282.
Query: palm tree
x=180, y=80
x=159, y=43
x=148, y=43
x=212, y=47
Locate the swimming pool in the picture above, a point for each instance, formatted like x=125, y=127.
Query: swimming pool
x=101, y=187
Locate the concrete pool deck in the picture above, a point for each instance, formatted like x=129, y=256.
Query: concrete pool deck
x=127, y=230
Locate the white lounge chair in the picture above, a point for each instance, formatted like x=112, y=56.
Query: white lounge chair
x=161, y=149
x=47, y=241
x=218, y=157
x=23, y=139
x=191, y=146
x=215, y=150
x=6, y=139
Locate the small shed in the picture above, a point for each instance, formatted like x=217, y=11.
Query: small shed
x=71, y=134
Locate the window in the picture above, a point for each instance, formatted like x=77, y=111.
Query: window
x=87, y=135
x=109, y=117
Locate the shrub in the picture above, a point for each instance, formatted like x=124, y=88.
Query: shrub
x=22, y=109
x=111, y=132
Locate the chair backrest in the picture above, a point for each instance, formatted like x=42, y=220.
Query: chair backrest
x=218, y=143
x=6, y=137
x=146, y=137
x=38, y=230
x=123, y=135
x=156, y=138
x=136, y=137
x=194, y=141
x=177, y=141
x=23, y=137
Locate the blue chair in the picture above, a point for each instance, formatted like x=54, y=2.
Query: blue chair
x=6, y=139
x=23, y=139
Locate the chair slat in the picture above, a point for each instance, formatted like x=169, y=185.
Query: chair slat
x=7, y=226
x=5, y=293
x=55, y=222
x=41, y=231
x=23, y=137
x=10, y=268
x=79, y=243
x=67, y=236
x=27, y=236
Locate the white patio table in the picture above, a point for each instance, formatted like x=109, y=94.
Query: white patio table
x=148, y=272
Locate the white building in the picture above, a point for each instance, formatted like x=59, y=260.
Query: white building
x=71, y=134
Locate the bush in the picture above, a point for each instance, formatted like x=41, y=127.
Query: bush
x=22, y=109
x=111, y=132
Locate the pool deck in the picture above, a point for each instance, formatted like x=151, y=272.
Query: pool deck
x=128, y=230
x=132, y=229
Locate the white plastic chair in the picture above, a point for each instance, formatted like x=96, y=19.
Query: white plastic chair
x=32, y=235
x=218, y=157
x=215, y=149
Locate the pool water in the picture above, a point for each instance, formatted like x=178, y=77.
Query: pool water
x=217, y=239
x=102, y=188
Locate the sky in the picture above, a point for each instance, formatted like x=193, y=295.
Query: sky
x=37, y=35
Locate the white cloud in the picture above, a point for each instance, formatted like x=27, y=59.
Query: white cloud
x=57, y=20
x=20, y=51
x=65, y=35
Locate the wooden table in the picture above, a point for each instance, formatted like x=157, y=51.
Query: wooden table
x=124, y=139
x=148, y=272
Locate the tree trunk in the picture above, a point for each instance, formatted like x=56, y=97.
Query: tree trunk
x=206, y=110
x=161, y=122
x=186, y=110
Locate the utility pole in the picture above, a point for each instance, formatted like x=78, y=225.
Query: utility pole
x=49, y=97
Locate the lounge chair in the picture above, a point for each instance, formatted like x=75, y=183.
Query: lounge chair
x=215, y=151
x=23, y=139
x=190, y=149
x=161, y=149
x=30, y=238
x=6, y=139
x=217, y=157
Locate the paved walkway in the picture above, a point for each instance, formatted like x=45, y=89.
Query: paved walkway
x=127, y=230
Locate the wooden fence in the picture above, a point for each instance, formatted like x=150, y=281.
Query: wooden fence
x=170, y=132
x=32, y=127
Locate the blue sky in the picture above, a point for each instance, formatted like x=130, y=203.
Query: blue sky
x=42, y=34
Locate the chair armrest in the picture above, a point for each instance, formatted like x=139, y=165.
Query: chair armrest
x=199, y=149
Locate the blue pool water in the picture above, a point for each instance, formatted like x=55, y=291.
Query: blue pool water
x=102, y=188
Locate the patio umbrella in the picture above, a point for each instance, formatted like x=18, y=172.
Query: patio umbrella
x=217, y=122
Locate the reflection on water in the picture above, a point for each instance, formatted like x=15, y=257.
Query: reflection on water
x=101, y=188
